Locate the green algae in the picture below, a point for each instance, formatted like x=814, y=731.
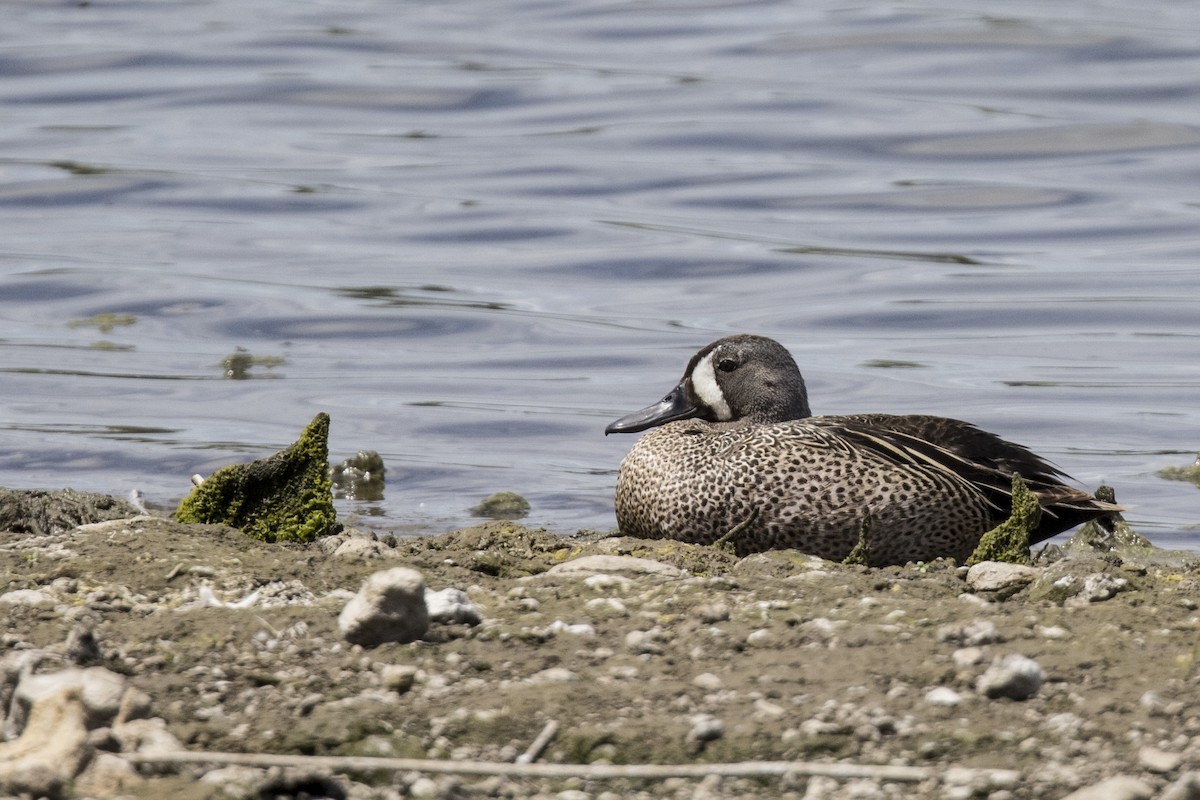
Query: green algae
x=1009, y=541
x=285, y=497
x=502, y=505
x=1189, y=473
x=104, y=322
x=861, y=553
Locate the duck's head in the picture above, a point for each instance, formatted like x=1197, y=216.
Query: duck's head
x=738, y=378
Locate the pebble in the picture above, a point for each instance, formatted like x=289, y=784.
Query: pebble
x=970, y=634
x=1186, y=788
x=390, y=607
x=994, y=576
x=1014, y=676
x=27, y=597
x=628, y=565
x=1099, y=587
x=707, y=681
x=575, y=628
x=1119, y=787
x=1160, y=761
x=965, y=657
x=399, y=678
x=554, y=675
x=760, y=637
x=603, y=583
x=943, y=696
x=451, y=606
x=705, y=728
x=644, y=642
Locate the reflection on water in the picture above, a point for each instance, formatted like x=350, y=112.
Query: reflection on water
x=476, y=233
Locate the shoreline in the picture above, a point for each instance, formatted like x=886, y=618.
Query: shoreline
x=1063, y=675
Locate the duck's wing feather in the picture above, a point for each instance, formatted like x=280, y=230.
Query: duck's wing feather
x=969, y=454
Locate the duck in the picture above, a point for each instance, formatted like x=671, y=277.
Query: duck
x=734, y=454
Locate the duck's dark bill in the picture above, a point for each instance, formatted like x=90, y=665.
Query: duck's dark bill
x=675, y=405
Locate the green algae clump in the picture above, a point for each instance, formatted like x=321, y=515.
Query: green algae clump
x=1009, y=541
x=285, y=497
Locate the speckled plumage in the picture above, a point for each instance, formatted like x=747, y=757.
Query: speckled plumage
x=734, y=444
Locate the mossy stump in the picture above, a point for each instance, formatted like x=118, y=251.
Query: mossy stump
x=285, y=497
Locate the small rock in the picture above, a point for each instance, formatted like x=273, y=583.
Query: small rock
x=1119, y=787
x=943, y=696
x=995, y=576
x=628, y=565
x=1100, y=587
x=615, y=583
x=710, y=613
x=451, y=606
x=760, y=637
x=390, y=607
x=1013, y=676
x=82, y=646
x=707, y=681
x=108, y=775
x=424, y=787
x=52, y=748
x=1186, y=788
x=27, y=597
x=575, y=629
x=965, y=657
x=705, y=728
x=554, y=675
x=1159, y=761
x=359, y=547
x=644, y=642
x=970, y=634
x=399, y=678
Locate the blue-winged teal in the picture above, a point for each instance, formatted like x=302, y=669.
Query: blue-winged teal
x=736, y=445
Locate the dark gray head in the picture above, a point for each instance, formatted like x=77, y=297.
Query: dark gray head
x=737, y=378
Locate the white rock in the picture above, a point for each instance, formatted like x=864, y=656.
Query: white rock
x=554, y=675
x=965, y=657
x=760, y=637
x=993, y=576
x=943, y=696
x=705, y=728
x=399, y=678
x=26, y=597
x=1013, y=676
x=451, y=606
x=1160, y=761
x=1119, y=787
x=707, y=681
x=970, y=634
x=1099, y=587
x=100, y=689
x=390, y=607
x=627, y=565
x=359, y=547
x=575, y=629
x=602, y=582
x=1186, y=788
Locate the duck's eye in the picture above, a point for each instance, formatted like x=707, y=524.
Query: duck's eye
x=727, y=365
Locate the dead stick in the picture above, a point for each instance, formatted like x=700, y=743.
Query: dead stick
x=539, y=744
x=593, y=771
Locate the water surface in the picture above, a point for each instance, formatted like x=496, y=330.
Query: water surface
x=477, y=232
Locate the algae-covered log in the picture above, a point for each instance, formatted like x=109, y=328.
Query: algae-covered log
x=285, y=497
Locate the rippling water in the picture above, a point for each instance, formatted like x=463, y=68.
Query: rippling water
x=476, y=232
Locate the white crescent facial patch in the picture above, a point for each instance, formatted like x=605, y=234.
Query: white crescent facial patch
x=704, y=382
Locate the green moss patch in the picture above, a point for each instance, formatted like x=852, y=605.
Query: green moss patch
x=285, y=497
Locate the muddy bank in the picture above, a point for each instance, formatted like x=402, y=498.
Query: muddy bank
x=1077, y=670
